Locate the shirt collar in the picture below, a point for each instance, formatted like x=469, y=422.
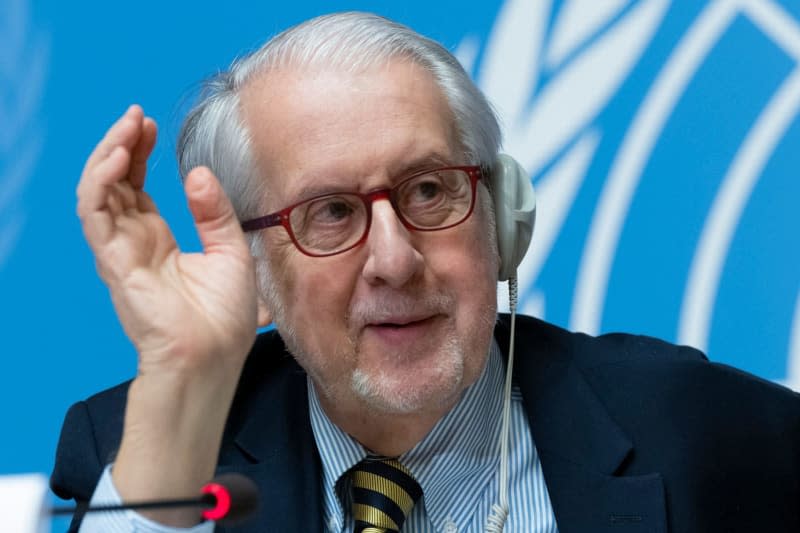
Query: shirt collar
x=460, y=451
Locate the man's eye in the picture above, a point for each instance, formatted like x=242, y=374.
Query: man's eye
x=338, y=210
x=332, y=211
x=425, y=191
x=428, y=190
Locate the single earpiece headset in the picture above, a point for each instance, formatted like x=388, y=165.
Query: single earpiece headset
x=515, y=212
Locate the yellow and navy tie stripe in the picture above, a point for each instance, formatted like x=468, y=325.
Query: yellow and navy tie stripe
x=384, y=491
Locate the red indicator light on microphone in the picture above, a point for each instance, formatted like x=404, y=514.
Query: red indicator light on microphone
x=223, y=499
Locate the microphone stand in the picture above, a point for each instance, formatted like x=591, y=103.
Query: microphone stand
x=206, y=501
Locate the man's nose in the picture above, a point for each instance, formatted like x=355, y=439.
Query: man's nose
x=392, y=257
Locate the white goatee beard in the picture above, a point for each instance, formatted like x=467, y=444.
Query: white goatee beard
x=380, y=390
x=384, y=393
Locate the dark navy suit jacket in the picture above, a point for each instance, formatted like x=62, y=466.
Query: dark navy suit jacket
x=634, y=435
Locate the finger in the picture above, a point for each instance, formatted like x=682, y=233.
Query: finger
x=134, y=241
x=122, y=136
x=114, y=204
x=141, y=152
x=98, y=229
x=94, y=189
x=124, y=132
x=213, y=213
x=144, y=203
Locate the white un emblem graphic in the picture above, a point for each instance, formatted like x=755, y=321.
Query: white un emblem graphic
x=23, y=64
x=662, y=139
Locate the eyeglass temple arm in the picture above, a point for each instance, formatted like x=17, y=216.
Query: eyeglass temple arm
x=267, y=221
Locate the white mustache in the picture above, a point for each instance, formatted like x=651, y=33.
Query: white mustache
x=398, y=308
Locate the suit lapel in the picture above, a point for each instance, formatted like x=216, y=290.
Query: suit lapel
x=582, y=450
x=277, y=447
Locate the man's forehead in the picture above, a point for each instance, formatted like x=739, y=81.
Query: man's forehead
x=273, y=81
x=322, y=128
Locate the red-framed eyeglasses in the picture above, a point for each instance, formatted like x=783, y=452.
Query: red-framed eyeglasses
x=333, y=223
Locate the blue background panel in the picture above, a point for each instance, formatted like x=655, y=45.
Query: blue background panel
x=67, y=70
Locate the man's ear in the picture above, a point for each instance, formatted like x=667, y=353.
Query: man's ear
x=264, y=314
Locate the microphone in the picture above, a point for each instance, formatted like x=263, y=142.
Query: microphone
x=228, y=499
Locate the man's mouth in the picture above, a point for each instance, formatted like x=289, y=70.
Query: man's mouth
x=401, y=330
x=401, y=323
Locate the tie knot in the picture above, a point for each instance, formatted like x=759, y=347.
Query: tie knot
x=384, y=491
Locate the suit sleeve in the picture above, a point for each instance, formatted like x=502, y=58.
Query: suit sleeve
x=77, y=466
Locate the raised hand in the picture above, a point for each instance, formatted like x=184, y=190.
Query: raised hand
x=192, y=317
x=179, y=310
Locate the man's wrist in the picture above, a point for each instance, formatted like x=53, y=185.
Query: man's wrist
x=171, y=439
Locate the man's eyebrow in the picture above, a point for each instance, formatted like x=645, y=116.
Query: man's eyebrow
x=319, y=189
x=427, y=162
x=320, y=184
x=407, y=168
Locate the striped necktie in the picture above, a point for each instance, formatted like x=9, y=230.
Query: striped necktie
x=383, y=494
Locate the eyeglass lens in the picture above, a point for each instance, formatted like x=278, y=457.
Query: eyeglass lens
x=327, y=224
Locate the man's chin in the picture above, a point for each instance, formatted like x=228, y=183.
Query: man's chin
x=408, y=392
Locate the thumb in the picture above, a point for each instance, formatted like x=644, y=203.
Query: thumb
x=212, y=211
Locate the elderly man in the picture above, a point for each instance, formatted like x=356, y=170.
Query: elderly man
x=363, y=166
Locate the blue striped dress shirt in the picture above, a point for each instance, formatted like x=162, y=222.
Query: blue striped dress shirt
x=457, y=465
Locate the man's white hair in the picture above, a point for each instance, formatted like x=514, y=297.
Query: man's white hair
x=214, y=134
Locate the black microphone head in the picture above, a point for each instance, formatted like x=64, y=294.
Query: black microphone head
x=235, y=499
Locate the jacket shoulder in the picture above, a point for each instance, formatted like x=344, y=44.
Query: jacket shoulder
x=662, y=379
x=588, y=351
